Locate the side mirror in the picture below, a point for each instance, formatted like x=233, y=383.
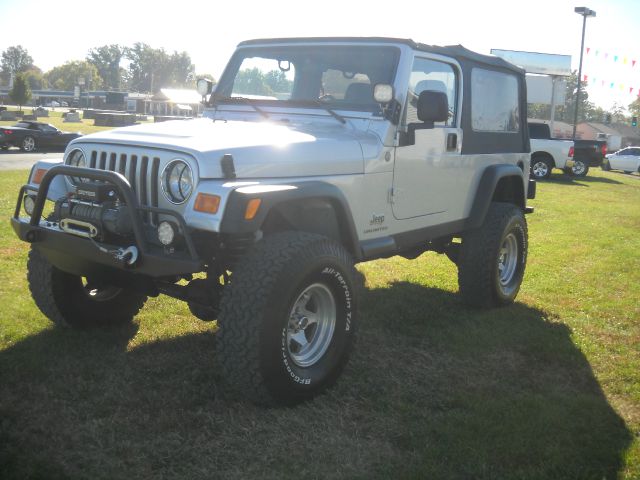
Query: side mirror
x=204, y=86
x=433, y=107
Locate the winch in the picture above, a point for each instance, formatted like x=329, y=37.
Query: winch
x=93, y=211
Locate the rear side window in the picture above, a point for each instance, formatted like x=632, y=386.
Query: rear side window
x=538, y=130
x=494, y=102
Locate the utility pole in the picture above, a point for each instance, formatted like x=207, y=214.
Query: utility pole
x=585, y=12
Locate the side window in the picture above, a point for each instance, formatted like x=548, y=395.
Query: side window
x=431, y=75
x=494, y=102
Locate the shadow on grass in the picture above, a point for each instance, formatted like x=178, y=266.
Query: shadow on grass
x=579, y=181
x=433, y=390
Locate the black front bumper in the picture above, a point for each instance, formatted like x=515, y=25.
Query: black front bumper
x=83, y=256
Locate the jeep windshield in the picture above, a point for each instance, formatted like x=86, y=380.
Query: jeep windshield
x=330, y=77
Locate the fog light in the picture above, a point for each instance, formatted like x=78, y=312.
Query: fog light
x=166, y=233
x=29, y=204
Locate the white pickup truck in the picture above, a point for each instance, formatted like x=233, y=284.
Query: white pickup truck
x=548, y=153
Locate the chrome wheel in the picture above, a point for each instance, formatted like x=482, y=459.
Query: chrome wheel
x=311, y=325
x=507, y=260
x=578, y=168
x=29, y=144
x=540, y=169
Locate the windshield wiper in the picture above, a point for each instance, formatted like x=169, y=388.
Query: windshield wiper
x=335, y=115
x=245, y=100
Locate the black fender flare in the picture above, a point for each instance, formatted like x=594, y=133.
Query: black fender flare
x=273, y=195
x=487, y=188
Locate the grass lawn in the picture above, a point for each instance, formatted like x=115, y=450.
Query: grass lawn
x=546, y=388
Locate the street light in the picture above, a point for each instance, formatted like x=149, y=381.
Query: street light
x=585, y=12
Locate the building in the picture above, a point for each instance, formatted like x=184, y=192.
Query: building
x=617, y=135
x=174, y=101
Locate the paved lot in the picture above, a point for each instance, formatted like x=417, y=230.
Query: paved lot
x=14, y=159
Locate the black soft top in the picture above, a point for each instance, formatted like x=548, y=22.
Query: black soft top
x=455, y=51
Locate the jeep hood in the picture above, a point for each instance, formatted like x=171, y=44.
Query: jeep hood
x=259, y=149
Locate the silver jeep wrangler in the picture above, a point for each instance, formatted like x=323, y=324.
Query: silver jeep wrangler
x=313, y=154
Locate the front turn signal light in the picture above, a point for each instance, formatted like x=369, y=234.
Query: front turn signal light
x=207, y=203
x=252, y=208
x=39, y=175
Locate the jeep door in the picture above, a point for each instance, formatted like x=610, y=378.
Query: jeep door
x=427, y=170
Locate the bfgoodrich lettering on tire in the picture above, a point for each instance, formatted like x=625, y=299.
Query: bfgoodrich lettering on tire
x=493, y=257
x=287, y=319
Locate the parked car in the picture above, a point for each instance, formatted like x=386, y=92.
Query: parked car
x=627, y=159
x=29, y=136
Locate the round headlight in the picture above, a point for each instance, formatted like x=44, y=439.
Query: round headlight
x=76, y=159
x=177, y=181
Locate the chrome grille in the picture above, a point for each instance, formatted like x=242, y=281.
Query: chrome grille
x=142, y=172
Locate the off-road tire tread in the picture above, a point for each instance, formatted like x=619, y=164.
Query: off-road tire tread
x=477, y=256
x=47, y=285
x=244, y=300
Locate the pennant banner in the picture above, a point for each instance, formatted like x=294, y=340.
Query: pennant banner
x=625, y=59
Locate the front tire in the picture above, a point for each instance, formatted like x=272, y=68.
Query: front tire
x=606, y=166
x=541, y=167
x=28, y=144
x=70, y=302
x=493, y=257
x=287, y=319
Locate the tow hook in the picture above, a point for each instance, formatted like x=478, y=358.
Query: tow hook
x=127, y=255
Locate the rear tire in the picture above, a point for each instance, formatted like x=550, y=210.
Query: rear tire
x=493, y=257
x=579, y=169
x=67, y=301
x=287, y=319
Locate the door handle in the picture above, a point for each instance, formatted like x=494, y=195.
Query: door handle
x=452, y=142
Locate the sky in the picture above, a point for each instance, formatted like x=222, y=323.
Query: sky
x=56, y=32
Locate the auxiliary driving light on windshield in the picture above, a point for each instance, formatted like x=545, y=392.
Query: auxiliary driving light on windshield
x=29, y=204
x=166, y=233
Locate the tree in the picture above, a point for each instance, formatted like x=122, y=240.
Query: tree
x=65, y=77
x=251, y=81
x=634, y=107
x=107, y=60
x=566, y=112
x=151, y=69
x=277, y=81
x=16, y=60
x=35, y=78
x=617, y=113
x=20, y=93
